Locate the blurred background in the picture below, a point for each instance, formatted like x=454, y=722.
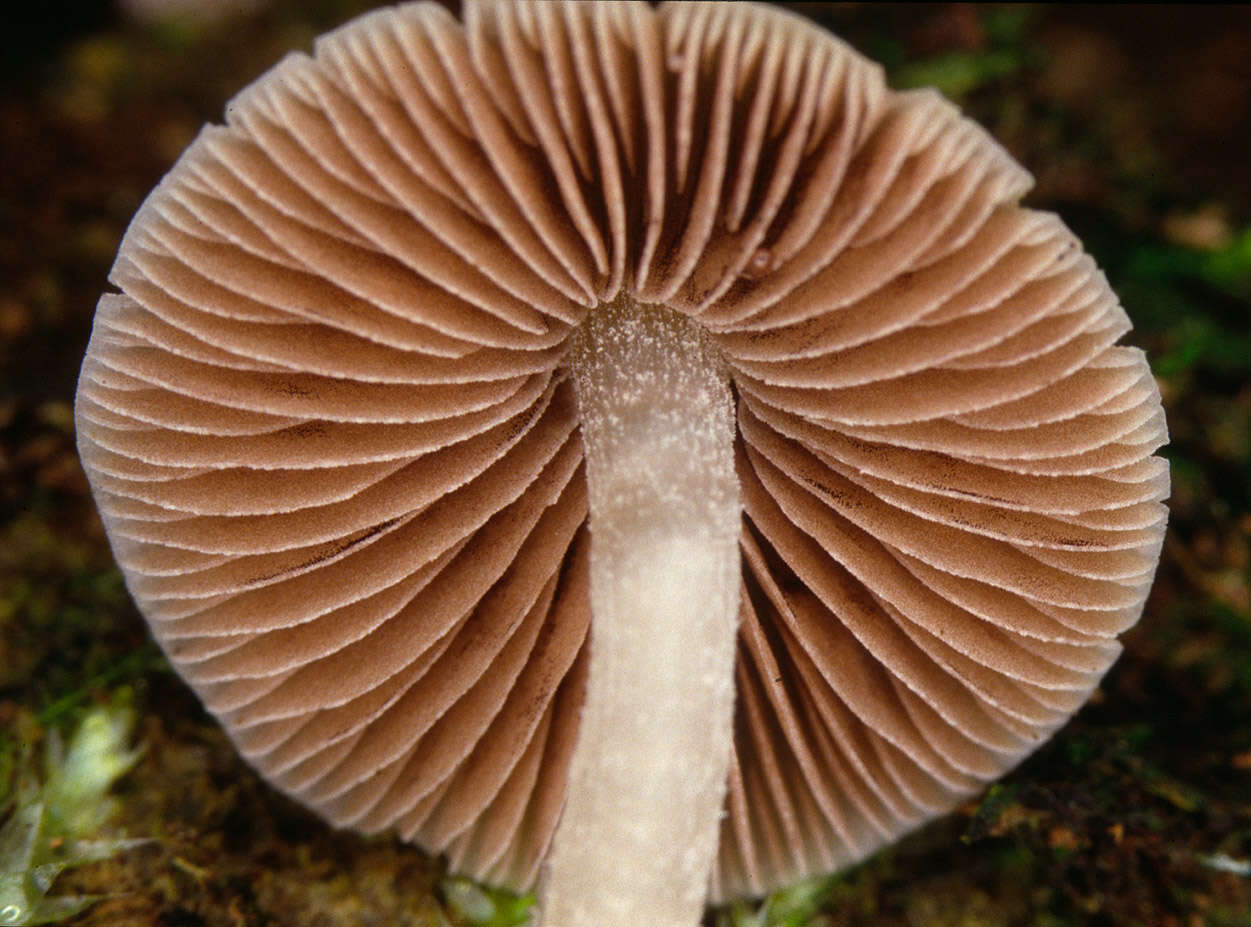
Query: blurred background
x=1136, y=122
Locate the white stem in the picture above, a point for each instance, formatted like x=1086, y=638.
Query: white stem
x=640, y=826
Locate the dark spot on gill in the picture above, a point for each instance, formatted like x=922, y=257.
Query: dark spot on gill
x=333, y=549
x=309, y=430
x=295, y=391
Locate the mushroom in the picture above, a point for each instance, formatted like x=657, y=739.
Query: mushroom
x=630, y=450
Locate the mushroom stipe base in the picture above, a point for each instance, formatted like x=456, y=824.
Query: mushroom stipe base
x=648, y=774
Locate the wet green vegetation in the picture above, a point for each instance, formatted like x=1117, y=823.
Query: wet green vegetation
x=55, y=817
x=1138, y=812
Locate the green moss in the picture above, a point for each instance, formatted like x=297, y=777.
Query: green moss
x=958, y=74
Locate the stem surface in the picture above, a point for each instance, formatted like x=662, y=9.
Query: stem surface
x=639, y=830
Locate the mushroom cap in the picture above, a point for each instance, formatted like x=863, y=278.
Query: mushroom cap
x=329, y=424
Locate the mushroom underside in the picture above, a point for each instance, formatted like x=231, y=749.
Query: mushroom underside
x=465, y=360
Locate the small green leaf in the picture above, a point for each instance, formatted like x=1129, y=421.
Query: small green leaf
x=485, y=907
x=49, y=827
